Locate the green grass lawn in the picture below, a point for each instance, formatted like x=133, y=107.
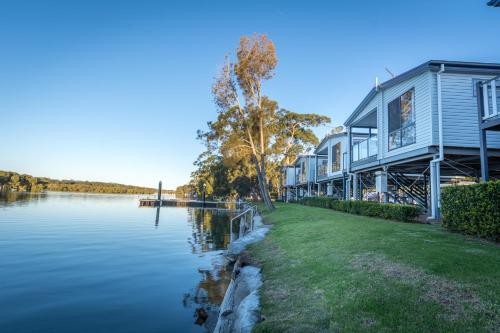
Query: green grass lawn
x=326, y=271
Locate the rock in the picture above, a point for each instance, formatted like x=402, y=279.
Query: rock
x=240, y=308
x=247, y=313
x=202, y=316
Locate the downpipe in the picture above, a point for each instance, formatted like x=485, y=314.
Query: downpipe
x=437, y=160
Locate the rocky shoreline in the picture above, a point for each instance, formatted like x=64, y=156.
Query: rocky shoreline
x=240, y=309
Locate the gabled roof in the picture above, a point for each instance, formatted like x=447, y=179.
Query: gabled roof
x=431, y=65
x=328, y=137
x=301, y=156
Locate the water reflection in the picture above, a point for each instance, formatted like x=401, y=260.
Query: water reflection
x=78, y=244
x=210, y=229
x=210, y=232
x=19, y=198
x=157, y=216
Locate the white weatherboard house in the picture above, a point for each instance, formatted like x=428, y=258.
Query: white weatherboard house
x=288, y=183
x=331, y=165
x=422, y=130
x=303, y=170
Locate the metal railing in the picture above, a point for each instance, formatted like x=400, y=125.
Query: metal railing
x=365, y=148
x=490, y=98
x=246, y=222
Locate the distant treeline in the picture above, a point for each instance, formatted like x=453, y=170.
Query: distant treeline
x=12, y=181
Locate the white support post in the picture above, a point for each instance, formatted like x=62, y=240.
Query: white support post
x=485, y=101
x=329, y=189
x=355, y=186
x=434, y=190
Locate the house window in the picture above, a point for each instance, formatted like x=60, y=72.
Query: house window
x=336, y=157
x=322, y=166
x=402, y=120
x=303, y=171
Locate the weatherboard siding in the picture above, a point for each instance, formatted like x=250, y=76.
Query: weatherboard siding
x=423, y=114
x=460, y=120
x=422, y=84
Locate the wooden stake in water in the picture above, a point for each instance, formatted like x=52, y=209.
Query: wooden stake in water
x=159, y=193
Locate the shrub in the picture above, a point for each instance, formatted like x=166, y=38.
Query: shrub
x=317, y=202
x=472, y=209
x=391, y=211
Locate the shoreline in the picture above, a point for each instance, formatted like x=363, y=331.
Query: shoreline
x=240, y=308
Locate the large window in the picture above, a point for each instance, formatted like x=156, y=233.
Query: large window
x=402, y=121
x=336, y=157
x=322, y=166
x=303, y=171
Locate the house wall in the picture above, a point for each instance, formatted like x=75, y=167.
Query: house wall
x=423, y=96
x=290, y=176
x=311, y=172
x=343, y=149
x=329, y=144
x=460, y=121
x=423, y=114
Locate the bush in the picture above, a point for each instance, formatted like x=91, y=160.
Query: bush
x=472, y=209
x=406, y=213
x=317, y=202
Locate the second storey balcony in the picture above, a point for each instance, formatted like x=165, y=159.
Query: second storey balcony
x=365, y=148
x=364, y=139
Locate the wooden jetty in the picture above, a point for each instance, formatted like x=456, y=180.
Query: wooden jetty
x=188, y=203
x=159, y=202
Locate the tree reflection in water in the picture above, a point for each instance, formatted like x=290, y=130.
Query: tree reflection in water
x=19, y=198
x=210, y=232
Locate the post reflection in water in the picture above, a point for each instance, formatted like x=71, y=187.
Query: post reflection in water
x=157, y=216
x=210, y=232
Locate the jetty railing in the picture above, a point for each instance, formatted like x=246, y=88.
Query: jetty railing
x=246, y=222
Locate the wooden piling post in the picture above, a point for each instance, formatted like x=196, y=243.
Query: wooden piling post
x=159, y=194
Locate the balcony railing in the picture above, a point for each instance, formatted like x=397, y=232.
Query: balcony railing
x=491, y=98
x=364, y=149
x=322, y=167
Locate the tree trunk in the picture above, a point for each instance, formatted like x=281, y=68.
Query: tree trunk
x=264, y=179
x=262, y=186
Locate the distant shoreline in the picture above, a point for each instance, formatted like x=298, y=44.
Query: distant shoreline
x=15, y=182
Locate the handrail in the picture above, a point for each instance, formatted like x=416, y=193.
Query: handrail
x=252, y=209
x=239, y=215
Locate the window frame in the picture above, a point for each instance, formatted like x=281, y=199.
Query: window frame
x=402, y=128
x=337, y=165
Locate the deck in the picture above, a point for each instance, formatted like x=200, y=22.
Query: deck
x=188, y=203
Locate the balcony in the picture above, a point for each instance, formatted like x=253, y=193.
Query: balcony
x=363, y=150
x=322, y=167
x=490, y=94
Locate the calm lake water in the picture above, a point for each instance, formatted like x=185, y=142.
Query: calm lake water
x=99, y=263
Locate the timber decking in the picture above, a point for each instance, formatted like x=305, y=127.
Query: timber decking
x=188, y=203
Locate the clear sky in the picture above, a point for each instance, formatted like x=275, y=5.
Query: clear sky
x=115, y=90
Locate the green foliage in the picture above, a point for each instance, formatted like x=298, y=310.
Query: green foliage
x=398, y=212
x=252, y=136
x=12, y=181
x=473, y=209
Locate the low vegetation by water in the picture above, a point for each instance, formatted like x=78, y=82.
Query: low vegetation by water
x=327, y=271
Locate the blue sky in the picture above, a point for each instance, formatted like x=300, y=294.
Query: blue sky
x=115, y=90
